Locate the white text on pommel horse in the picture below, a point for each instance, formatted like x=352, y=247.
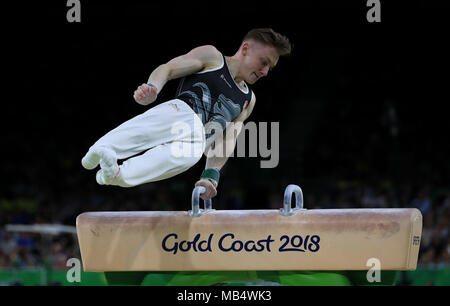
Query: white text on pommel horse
x=230, y=243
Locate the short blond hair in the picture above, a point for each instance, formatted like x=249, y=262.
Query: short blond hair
x=270, y=37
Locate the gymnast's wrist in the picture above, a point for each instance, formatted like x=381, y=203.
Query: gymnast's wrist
x=212, y=175
x=152, y=85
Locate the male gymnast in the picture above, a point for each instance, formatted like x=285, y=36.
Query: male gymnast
x=212, y=94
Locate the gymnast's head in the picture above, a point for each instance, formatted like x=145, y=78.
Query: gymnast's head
x=259, y=52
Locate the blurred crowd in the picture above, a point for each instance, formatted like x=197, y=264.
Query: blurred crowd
x=19, y=249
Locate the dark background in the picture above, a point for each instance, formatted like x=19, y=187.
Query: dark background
x=360, y=105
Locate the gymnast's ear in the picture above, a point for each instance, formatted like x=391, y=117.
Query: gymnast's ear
x=245, y=47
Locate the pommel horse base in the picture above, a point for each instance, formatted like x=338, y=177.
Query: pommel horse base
x=242, y=240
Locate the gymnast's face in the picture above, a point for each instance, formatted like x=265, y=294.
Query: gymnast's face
x=258, y=60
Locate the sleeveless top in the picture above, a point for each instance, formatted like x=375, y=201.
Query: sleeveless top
x=214, y=96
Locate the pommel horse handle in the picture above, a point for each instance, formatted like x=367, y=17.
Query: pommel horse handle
x=196, y=211
x=287, y=210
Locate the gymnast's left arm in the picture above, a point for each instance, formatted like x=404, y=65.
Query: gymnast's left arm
x=214, y=162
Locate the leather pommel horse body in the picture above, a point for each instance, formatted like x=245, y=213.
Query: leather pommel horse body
x=219, y=240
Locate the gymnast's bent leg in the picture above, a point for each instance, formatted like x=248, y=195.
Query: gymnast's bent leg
x=163, y=132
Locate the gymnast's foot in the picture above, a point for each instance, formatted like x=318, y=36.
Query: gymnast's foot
x=94, y=156
x=107, y=176
x=109, y=168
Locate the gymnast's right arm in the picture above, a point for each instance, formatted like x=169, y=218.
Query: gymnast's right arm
x=194, y=61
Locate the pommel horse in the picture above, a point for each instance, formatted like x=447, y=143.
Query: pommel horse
x=291, y=238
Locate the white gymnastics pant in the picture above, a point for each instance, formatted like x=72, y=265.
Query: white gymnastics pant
x=172, y=135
